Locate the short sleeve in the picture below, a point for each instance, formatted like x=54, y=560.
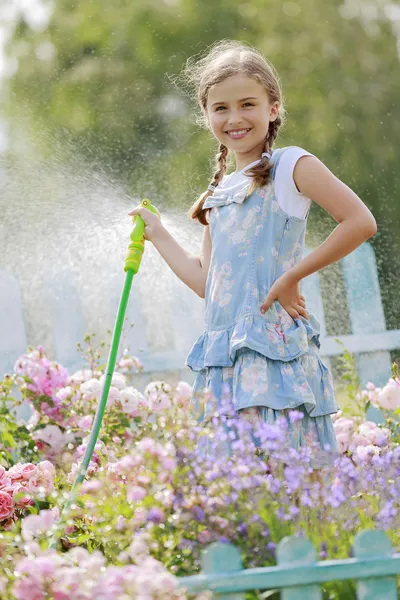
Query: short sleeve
x=289, y=198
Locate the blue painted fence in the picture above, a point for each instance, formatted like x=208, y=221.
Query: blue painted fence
x=163, y=345
x=298, y=575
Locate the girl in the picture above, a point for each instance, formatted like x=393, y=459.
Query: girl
x=259, y=343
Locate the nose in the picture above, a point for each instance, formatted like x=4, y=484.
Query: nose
x=234, y=120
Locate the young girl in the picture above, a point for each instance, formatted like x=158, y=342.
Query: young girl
x=259, y=343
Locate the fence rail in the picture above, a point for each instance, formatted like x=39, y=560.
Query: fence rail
x=298, y=575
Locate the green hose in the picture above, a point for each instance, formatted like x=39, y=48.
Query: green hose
x=132, y=264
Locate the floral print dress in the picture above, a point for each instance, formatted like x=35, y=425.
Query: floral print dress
x=269, y=362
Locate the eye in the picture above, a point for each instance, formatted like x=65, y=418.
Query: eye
x=250, y=103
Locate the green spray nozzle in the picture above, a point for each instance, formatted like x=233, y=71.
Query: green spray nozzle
x=136, y=247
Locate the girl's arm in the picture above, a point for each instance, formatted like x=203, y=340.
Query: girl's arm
x=192, y=270
x=356, y=222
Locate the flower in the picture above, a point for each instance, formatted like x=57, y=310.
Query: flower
x=51, y=435
x=131, y=401
x=6, y=505
x=157, y=396
x=43, y=377
x=85, y=422
x=35, y=525
x=389, y=396
x=183, y=393
x=91, y=389
x=118, y=380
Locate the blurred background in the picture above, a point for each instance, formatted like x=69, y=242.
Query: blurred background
x=91, y=122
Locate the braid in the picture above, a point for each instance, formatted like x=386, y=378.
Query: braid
x=197, y=211
x=221, y=163
x=260, y=172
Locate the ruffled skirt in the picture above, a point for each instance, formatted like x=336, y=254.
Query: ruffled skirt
x=266, y=389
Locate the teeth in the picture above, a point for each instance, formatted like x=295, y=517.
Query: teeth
x=241, y=132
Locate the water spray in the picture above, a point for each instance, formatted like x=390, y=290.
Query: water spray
x=131, y=267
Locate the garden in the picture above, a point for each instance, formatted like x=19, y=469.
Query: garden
x=161, y=487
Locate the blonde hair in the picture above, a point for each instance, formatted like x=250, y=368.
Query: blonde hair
x=224, y=59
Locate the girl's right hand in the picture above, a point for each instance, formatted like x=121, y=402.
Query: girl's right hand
x=151, y=221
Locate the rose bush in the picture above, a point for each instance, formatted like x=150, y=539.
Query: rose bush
x=160, y=487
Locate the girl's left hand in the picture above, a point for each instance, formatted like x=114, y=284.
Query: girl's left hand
x=287, y=292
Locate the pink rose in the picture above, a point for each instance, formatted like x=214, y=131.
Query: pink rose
x=47, y=467
x=6, y=506
x=41, y=484
x=22, y=497
x=28, y=470
x=15, y=472
x=5, y=482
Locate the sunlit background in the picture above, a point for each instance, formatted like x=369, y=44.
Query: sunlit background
x=92, y=120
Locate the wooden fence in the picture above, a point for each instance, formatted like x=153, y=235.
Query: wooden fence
x=163, y=344
x=298, y=575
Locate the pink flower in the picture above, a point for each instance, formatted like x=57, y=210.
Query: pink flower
x=168, y=462
x=127, y=363
x=91, y=487
x=183, y=393
x=344, y=429
x=47, y=467
x=65, y=393
x=41, y=484
x=204, y=536
x=22, y=501
x=136, y=493
x=85, y=422
x=28, y=470
x=157, y=395
x=364, y=454
x=6, y=506
x=389, y=396
x=46, y=376
x=35, y=525
x=15, y=472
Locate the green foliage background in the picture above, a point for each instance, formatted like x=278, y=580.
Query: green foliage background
x=107, y=86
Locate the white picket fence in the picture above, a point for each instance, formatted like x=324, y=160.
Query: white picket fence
x=183, y=322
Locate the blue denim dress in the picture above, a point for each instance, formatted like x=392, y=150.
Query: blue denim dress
x=269, y=363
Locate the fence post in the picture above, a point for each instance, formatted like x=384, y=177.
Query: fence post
x=222, y=558
x=296, y=551
x=367, y=316
x=368, y=544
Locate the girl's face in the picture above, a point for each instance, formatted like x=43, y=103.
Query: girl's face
x=240, y=103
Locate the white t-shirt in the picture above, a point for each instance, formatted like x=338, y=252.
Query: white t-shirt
x=291, y=201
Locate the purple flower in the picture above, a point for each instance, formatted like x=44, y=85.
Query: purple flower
x=155, y=515
x=295, y=415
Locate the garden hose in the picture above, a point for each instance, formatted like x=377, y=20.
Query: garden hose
x=132, y=264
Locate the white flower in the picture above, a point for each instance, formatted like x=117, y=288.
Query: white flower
x=131, y=400
x=118, y=380
x=389, y=396
x=91, y=389
x=51, y=435
x=81, y=376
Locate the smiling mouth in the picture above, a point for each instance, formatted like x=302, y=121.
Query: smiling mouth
x=238, y=134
